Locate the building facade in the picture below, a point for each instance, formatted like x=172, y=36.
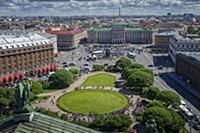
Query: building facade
x=188, y=66
x=162, y=40
x=179, y=43
x=68, y=39
x=119, y=35
x=20, y=54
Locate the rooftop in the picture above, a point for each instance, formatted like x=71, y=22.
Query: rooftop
x=166, y=33
x=109, y=29
x=194, y=55
x=64, y=31
x=13, y=40
x=39, y=123
x=181, y=38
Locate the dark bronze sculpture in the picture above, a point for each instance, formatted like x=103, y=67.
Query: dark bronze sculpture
x=22, y=98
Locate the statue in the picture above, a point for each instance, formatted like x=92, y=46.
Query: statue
x=22, y=98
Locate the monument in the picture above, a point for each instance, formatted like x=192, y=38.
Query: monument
x=22, y=98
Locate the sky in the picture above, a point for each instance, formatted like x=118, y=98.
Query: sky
x=97, y=7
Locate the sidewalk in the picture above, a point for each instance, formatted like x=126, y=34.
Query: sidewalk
x=190, y=88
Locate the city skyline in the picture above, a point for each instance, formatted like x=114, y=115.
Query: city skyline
x=96, y=7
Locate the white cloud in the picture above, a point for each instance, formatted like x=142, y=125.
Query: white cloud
x=76, y=5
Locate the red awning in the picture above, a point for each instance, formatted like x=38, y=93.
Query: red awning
x=52, y=68
x=56, y=66
x=40, y=70
x=48, y=68
x=6, y=79
x=21, y=75
x=11, y=77
x=1, y=80
x=44, y=69
x=17, y=76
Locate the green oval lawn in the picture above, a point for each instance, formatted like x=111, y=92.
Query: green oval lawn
x=94, y=101
x=101, y=79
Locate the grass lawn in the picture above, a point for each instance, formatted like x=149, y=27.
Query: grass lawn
x=102, y=79
x=92, y=101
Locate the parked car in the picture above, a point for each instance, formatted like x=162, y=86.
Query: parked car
x=72, y=64
x=160, y=67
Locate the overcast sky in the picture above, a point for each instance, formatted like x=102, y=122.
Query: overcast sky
x=97, y=7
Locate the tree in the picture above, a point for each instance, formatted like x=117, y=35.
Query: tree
x=123, y=63
x=191, y=30
x=97, y=67
x=4, y=102
x=111, y=123
x=146, y=70
x=156, y=103
x=45, y=84
x=161, y=116
x=166, y=119
x=75, y=72
x=153, y=93
x=177, y=121
x=61, y=79
x=36, y=87
x=110, y=68
x=170, y=98
x=140, y=79
x=137, y=65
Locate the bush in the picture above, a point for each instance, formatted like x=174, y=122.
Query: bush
x=45, y=84
x=61, y=79
x=36, y=87
x=97, y=67
x=75, y=71
x=110, y=68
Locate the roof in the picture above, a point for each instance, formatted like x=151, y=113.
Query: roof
x=136, y=29
x=100, y=29
x=65, y=31
x=109, y=29
x=186, y=39
x=39, y=123
x=194, y=55
x=9, y=41
x=166, y=33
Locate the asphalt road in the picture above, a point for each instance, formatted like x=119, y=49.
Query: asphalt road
x=164, y=82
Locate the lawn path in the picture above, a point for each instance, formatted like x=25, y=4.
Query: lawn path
x=56, y=94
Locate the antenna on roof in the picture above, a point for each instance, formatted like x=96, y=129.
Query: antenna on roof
x=119, y=11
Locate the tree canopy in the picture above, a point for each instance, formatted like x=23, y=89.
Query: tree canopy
x=140, y=79
x=123, y=63
x=153, y=93
x=170, y=98
x=118, y=123
x=167, y=120
x=61, y=79
x=98, y=67
x=36, y=87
